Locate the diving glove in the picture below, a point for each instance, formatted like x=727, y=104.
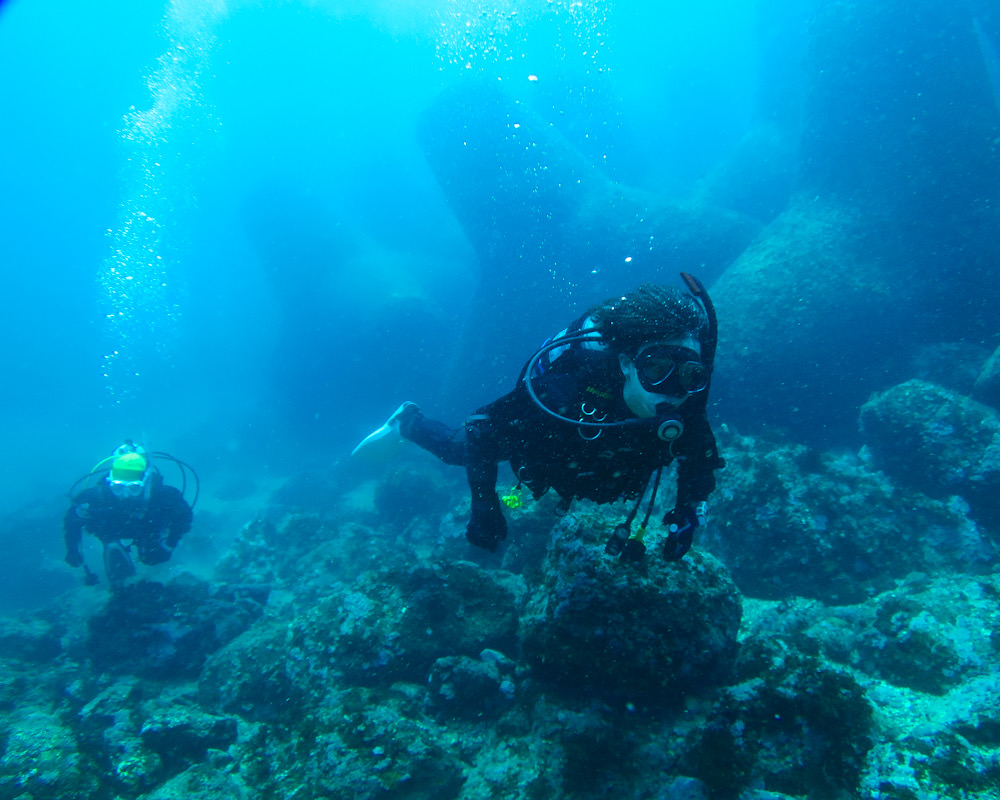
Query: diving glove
x=680, y=524
x=487, y=526
x=156, y=550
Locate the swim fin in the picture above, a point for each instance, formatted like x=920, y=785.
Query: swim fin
x=382, y=442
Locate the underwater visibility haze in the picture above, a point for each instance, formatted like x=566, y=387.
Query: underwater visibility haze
x=236, y=235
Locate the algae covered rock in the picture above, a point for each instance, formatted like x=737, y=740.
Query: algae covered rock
x=41, y=760
x=251, y=677
x=357, y=744
x=184, y=733
x=788, y=520
x=397, y=622
x=938, y=441
x=200, y=782
x=792, y=724
x=473, y=688
x=812, y=277
x=108, y=729
x=649, y=633
x=167, y=631
x=29, y=640
x=932, y=635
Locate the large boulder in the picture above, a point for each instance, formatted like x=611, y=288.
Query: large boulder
x=937, y=441
x=813, y=277
x=251, y=676
x=892, y=236
x=167, y=631
x=790, y=520
x=41, y=760
x=932, y=635
x=200, y=782
x=108, y=728
x=602, y=628
x=357, y=744
x=792, y=723
x=395, y=623
x=30, y=640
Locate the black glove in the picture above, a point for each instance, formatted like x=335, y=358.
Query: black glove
x=157, y=550
x=74, y=558
x=680, y=524
x=487, y=526
x=156, y=554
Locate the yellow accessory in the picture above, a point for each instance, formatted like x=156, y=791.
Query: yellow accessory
x=513, y=500
x=639, y=535
x=128, y=467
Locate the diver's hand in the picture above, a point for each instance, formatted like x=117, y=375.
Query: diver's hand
x=74, y=558
x=487, y=526
x=156, y=554
x=158, y=550
x=680, y=524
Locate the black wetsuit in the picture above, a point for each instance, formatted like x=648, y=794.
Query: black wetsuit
x=155, y=524
x=599, y=464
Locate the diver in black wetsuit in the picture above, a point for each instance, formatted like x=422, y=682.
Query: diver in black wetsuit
x=597, y=413
x=129, y=506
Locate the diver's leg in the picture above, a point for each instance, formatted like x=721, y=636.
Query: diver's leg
x=118, y=564
x=435, y=437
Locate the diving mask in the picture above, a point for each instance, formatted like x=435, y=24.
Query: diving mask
x=125, y=490
x=671, y=370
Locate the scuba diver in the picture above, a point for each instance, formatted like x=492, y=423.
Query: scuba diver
x=597, y=413
x=129, y=506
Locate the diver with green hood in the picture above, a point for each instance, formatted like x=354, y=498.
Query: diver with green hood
x=598, y=412
x=129, y=506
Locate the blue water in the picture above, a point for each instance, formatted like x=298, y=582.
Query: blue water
x=267, y=116
x=221, y=233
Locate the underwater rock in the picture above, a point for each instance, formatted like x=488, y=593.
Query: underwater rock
x=30, y=640
x=250, y=676
x=987, y=386
x=928, y=634
x=41, y=760
x=181, y=733
x=817, y=274
x=469, y=688
x=200, y=782
x=789, y=520
x=792, y=724
x=304, y=553
x=109, y=733
x=933, y=635
x=167, y=631
x=937, y=441
x=933, y=761
x=254, y=555
x=13, y=687
x=358, y=744
x=647, y=634
x=395, y=623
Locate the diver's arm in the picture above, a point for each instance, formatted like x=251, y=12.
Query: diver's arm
x=75, y=521
x=174, y=515
x=697, y=463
